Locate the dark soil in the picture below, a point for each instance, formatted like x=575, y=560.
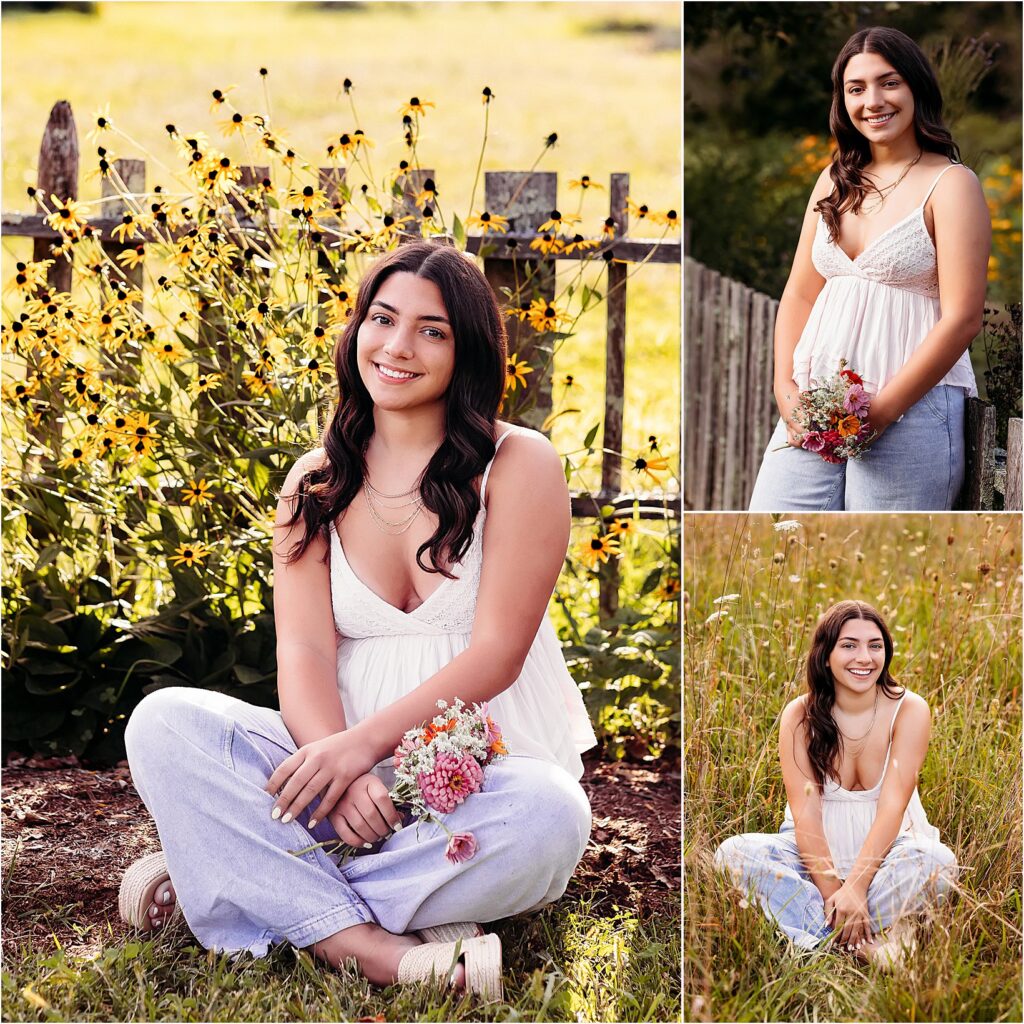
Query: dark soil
x=69, y=832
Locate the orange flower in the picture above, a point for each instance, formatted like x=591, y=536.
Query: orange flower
x=849, y=426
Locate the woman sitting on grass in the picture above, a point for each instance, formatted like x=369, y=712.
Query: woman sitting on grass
x=855, y=853
x=416, y=552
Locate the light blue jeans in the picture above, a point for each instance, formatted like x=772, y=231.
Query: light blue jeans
x=200, y=760
x=769, y=866
x=917, y=465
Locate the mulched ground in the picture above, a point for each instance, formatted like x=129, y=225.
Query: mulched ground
x=69, y=832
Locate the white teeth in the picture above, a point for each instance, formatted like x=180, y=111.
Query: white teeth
x=881, y=119
x=394, y=374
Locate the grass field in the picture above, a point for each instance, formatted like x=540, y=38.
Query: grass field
x=950, y=589
x=607, y=81
x=613, y=968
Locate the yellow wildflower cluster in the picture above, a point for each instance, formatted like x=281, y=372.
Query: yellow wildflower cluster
x=1002, y=188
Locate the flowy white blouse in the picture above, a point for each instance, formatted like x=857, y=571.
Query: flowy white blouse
x=385, y=653
x=875, y=310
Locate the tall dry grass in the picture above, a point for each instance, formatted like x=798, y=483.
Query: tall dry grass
x=950, y=588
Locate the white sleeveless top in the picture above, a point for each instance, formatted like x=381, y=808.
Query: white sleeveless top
x=874, y=311
x=384, y=653
x=848, y=814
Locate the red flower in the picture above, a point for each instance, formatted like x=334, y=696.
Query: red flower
x=852, y=377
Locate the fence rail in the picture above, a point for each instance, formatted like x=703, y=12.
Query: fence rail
x=730, y=409
x=524, y=198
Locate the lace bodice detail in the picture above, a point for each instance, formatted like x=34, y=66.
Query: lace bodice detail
x=902, y=257
x=360, y=612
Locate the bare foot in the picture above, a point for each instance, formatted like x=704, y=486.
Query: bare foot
x=159, y=911
x=377, y=953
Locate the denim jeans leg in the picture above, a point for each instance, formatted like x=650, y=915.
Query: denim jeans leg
x=770, y=867
x=918, y=463
x=200, y=761
x=793, y=480
x=914, y=872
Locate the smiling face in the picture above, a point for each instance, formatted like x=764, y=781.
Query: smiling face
x=858, y=657
x=405, y=346
x=878, y=100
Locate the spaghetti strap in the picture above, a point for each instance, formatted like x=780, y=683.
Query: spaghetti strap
x=928, y=194
x=892, y=724
x=487, y=469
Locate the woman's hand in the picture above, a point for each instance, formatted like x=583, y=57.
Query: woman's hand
x=787, y=397
x=364, y=813
x=880, y=418
x=847, y=911
x=324, y=767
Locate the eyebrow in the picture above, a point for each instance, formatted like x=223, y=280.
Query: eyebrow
x=391, y=309
x=878, y=78
x=871, y=640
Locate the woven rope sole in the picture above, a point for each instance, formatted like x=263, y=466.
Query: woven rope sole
x=451, y=932
x=436, y=960
x=138, y=885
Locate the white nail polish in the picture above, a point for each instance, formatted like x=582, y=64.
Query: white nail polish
x=398, y=827
x=367, y=846
x=153, y=911
x=276, y=813
x=312, y=822
x=157, y=923
x=167, y=897
x=286, y=819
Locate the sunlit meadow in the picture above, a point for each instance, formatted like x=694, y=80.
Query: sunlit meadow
x=949, y=587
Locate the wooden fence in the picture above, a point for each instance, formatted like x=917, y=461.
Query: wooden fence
x=526, y=199
x=730, y=411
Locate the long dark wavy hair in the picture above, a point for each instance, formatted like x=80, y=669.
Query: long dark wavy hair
x=853, y=151
x=824, y=740
x=471, y=408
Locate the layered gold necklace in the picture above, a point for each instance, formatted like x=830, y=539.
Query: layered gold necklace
x=378, y=503
x=885, y=191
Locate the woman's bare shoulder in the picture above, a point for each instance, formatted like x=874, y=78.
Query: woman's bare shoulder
x=794, y=713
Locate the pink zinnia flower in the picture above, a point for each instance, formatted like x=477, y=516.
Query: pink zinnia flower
x=452, y=780
x=812, y=442
x=461, y=846
x=406, y=747
x=856, y=401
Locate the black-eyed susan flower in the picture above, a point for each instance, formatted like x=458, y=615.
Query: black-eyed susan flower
x=670, y=589
x=204, y=382
x=558, y=221
x=132, y=258
x=584, y=182
x=569, y=382
x=256, y=379
x=597, y=549
x=580, y=244
x=487, y=95
x=312, y=369
x=139, y=435
x=77, y=454
x=128, y=228
x=390, y=229
x=649, y=466
x=220, y=97
x=639, y=211
x=652, y=442
x=190, y=554
x=68, y=215
x=416, y=106
x=307, y=198
x=548, y=244
x=428, y=194
x=669, y=219
x=29, y=277
x=101, y=123
x=544, y=315
x=197, y=493
x=21, y=391
x=488, y=222
x=168, y=350
x=235, y=124
x=622, y=527
x=516, y=370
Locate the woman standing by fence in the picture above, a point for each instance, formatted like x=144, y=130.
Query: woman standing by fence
x=890, y=276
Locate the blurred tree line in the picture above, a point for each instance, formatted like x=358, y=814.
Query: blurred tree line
x=757, y=92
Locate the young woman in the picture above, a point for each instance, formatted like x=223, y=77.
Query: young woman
x=415, y=555
x=855, y=852
x=890, y=275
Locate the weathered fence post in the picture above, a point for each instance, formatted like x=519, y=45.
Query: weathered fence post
x=527, y=200
x=980, y=442
x=614, y=382
x=132, y=180
x=57, y=175
x=1014, y=466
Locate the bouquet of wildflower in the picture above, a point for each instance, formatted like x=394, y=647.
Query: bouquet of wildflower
x=437, y=767
x=833, y=416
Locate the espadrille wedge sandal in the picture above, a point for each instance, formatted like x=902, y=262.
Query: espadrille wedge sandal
x=138, y=886
x=437, y=961
x=451, y=932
